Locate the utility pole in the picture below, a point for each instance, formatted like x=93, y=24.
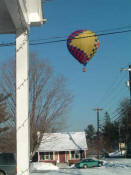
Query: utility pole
x=129, y=70
x=98, y=130
x=130, y=80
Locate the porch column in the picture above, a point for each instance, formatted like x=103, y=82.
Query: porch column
x=65, y=156
x=38, y=156
x=22, y=119
x=54, y=156
x=69, y=155
x=58, y=157
x=85, y=151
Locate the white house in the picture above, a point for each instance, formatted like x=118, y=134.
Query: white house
x=62, y=147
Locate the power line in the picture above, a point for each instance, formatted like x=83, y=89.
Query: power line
x=113, y=29
x=110, y=91
x=115, y=90
x=62, y=37
x=110, y=96
x=100, y=34
x=117, y=97
x=63, y=40
x=116, y=115
x=7, y=44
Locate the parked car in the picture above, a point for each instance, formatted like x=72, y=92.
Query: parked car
x=87, y=163
x=7, y=164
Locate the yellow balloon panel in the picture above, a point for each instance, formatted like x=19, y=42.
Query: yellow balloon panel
x=87, y=42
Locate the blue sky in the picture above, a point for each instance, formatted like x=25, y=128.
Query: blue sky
x=102, y=85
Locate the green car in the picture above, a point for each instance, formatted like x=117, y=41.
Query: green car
x=7, y=164
x=88, y=163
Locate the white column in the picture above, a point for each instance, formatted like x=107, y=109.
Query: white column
x=22, y=98
x=65, y=156
x=58, y=157
x=53, y=155
x=38, y=156
x=85, y=153
x=70, y=155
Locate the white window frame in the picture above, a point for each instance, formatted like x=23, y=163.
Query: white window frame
x=47, y=156
x=75, y=153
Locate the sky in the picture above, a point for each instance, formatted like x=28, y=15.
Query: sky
x=102, y=85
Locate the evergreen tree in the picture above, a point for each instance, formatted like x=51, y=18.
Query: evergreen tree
x=110, y=133
x=90, y=133
x=125, y=120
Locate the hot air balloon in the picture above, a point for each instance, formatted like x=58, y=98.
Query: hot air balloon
x=83, y=44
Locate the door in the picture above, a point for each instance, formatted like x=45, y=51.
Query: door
x=62, y=156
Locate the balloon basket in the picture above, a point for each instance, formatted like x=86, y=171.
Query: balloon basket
x=84, y=69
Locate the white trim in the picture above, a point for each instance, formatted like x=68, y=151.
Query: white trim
x=38, y=156
x=85, y=153
x=58, y=158
x=22, y=103
x=35, y=14
x=69, y=155
x=75, y=155
x=53, y=155
x=65, y=156
x=48, y=155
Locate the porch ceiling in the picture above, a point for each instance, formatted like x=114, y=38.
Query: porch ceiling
x=6, y=24
x=12, y=16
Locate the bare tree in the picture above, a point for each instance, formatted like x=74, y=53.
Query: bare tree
x=8, y=140
x=5, y=122
x=4, y=117
x=49, y=98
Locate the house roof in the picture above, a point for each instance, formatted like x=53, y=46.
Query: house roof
x=65, y=141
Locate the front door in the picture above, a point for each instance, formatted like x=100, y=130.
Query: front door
x=62, y=156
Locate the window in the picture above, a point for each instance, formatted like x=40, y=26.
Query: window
x=7, y=158
x=47, y=156
x=75, y=154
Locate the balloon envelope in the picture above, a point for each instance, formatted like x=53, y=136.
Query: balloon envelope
x=83, y=44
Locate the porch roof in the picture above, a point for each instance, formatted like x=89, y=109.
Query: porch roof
x=64, y=141
x=13, y=16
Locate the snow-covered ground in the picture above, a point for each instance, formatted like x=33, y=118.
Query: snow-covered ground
x=111, y=167
x=40, y=166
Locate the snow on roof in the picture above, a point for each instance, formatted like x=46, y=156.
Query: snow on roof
x=65, y=141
